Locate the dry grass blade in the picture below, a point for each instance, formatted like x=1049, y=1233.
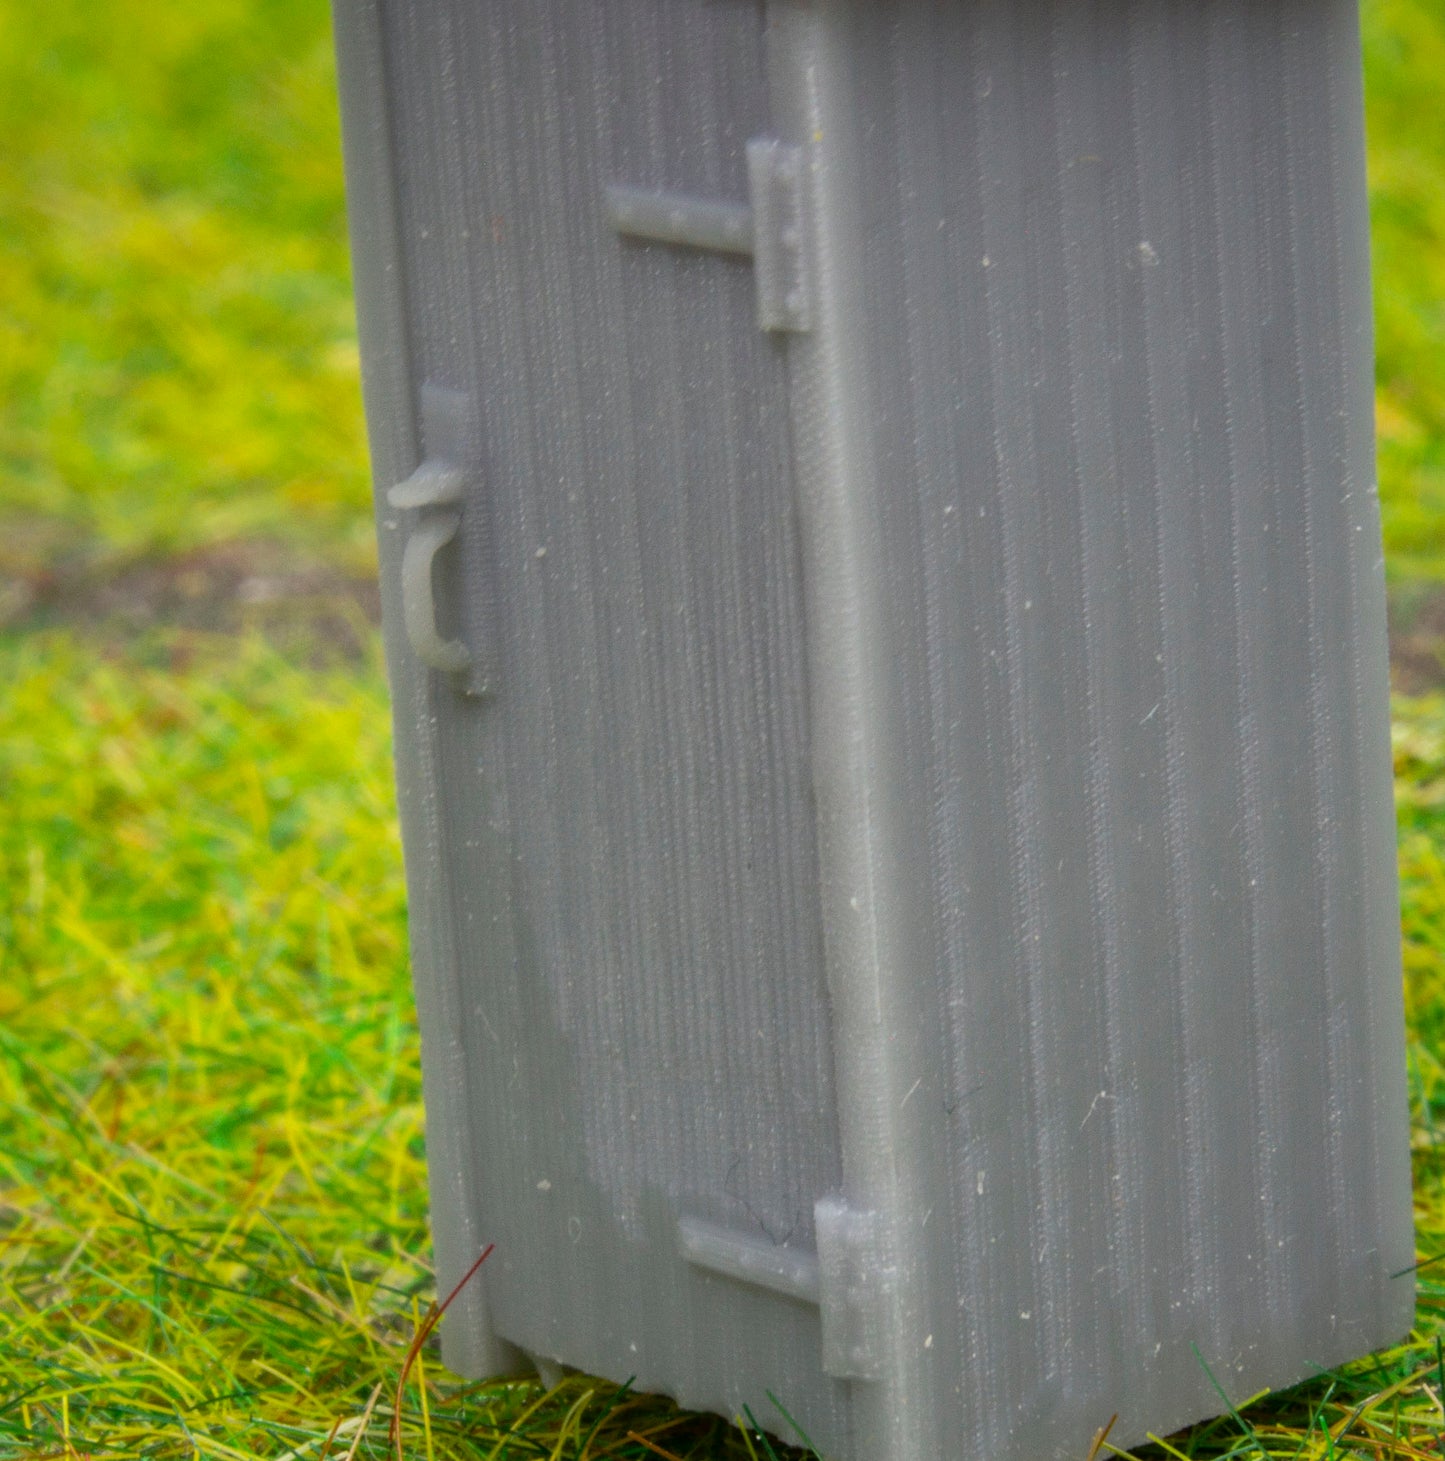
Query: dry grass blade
x=651, y=1446
x=1100, y=1437
x=423, y=1332
x=362, y=1422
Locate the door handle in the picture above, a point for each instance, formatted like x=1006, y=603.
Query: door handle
x=418, y=598
x=445, y=487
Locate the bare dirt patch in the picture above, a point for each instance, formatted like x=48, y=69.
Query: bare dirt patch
x=1417, y=638
x=226, y=588
x=311, y=605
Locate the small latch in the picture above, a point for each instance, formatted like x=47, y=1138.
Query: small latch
x=769, y=228
x=854, y=1279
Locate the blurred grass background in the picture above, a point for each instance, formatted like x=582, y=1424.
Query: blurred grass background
x=212, y=1206
x=179, y=361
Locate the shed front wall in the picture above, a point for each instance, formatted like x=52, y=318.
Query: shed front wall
x=625, y=813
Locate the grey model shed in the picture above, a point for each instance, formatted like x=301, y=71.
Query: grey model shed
x=883, y=593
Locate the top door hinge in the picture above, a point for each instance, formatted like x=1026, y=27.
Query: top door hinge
x=769, y=228
x=775, y=181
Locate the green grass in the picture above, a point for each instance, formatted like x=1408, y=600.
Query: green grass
x=212, y=1195
x=212, y=1202
x=1405, y=64
x=177, y=355
x=177, y=348
x=212, y=1207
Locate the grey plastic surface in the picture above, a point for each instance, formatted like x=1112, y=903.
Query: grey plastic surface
x=898, y=820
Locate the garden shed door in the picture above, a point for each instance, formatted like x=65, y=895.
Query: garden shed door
x=595, y=546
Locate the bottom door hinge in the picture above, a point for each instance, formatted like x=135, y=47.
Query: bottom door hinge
x=855, y=1284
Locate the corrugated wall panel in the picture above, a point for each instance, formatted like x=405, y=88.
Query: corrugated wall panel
x=1124, y=491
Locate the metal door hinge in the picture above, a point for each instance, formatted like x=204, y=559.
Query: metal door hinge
x=849, y=1278
x=769, y=228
